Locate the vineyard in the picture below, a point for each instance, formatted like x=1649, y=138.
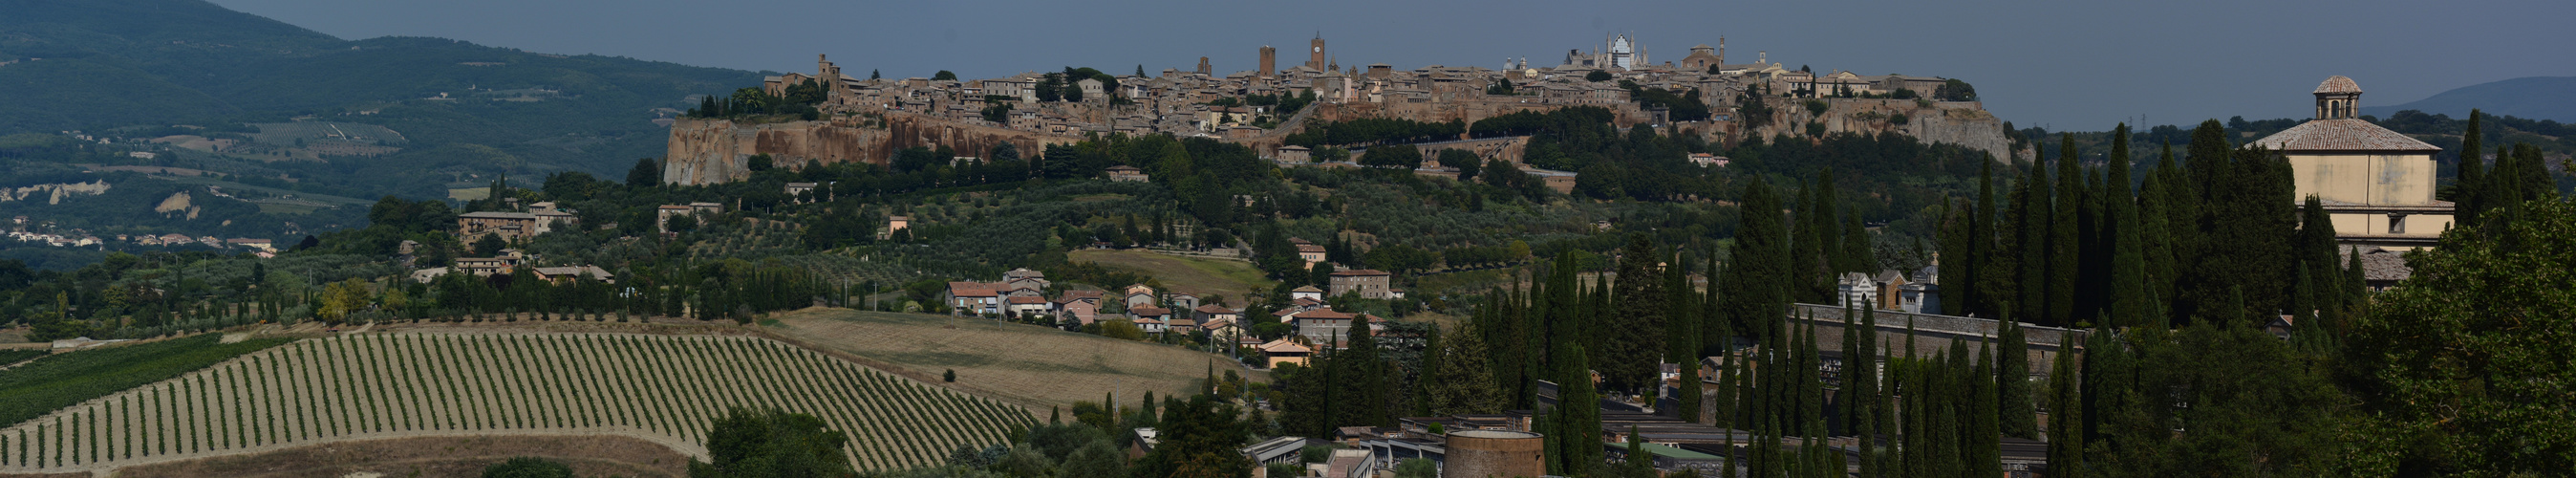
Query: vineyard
x=667, y=389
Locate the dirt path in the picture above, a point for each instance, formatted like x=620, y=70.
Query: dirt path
x=589, y=455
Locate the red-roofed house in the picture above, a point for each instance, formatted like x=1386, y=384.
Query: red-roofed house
x=975, y=297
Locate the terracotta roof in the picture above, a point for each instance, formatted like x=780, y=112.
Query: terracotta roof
x=1284, y=346
x=1152, y=311
x=2338, y=84
x=1326, y=314
x=1306, y=288
x=1215, y=309
x=1361, y=272
x=2381, y=265
x=1309, y=248
x=973, y=289
x=2341, y=135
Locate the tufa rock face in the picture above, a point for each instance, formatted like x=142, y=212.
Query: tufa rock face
x=708, y=151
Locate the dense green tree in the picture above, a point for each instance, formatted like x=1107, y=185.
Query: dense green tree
x=2462, y=370
x=1755, y=294
x=1360, y=396
x=763, y=443
x=2254, y=209
x=1636, y=335
x=528, y=467
x=1464, y=384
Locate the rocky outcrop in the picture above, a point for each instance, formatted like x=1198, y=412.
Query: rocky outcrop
x=707, y=151
x=1961, y=123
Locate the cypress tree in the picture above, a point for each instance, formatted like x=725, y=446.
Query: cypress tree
x=1635, y=345
x=1578, y=413
x=2065, y=250
x=1686, y=348
x=1860, y=378
x=1951, y=241
x=2465, y=192
x=1755, y=294
x=1985, y=457
x=2128, y=267
x=1807, y=250
x=2065, y=412
x=2012, y=378
x=1362, y=381
x=1857, y=247
x=1947, y=455
x=1853, y=406
x=1983, y=267
x=2174, y=224
x=2032, y=217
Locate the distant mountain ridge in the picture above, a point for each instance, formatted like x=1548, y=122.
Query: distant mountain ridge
x=98, y=64
x=2535, y=97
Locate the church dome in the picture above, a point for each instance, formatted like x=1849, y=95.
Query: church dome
x=2338, y=84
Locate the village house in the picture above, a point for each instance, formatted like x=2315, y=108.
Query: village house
x=1368, y=283
x=1324, y=326
x=1212, y=313
x=1080, y=306
x=1308, y=252
x=1139, y=296
x=976, y=298
x=1306, y=292
x=662, y=216
x=1283, y=351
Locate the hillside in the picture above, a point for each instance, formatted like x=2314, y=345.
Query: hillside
x=1026, y=365
x=97, y=66
x=661, y=389
x=2536, y=97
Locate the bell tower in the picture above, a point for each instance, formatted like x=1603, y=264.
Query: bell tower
x=2337, y=98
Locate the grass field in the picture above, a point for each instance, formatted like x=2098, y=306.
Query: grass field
x=1028, y=365
x=662, y=389
x=1194, y=275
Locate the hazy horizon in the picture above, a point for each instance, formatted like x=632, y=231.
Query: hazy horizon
x=2060, y=66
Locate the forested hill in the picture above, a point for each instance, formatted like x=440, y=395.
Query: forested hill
x=100, y=65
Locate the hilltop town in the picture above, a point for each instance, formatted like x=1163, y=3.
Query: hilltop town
x=865, y=117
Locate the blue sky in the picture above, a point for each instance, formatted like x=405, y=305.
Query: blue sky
x=2067, y=65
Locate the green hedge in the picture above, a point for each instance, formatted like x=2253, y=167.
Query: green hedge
x=62, y=380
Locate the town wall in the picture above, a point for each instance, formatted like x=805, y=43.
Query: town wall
x=1934, y=333
x=707, y=151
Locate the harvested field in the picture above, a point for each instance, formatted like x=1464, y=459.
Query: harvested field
x=1199, y=276
x=589, y=455
x=663, y=389
x=1023, y=364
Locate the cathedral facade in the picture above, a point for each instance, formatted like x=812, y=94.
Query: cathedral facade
x=1617, y=51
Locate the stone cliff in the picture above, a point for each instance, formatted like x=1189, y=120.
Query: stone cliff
x=707, y=151
x=1961, y=123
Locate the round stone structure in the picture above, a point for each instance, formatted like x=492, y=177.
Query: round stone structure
x=1494, y=453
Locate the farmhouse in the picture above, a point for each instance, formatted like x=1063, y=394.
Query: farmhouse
x=975, y=297
x=1368, y=283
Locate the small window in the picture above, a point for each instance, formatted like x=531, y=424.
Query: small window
x=2396, y=224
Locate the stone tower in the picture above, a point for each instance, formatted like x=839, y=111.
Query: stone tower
x=1315, y=54
x=1203, y=65
x=1269, y=61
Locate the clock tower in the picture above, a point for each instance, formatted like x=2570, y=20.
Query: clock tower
x=1315, y=55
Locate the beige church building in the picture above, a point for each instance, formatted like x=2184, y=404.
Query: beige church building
x=2375, y=183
